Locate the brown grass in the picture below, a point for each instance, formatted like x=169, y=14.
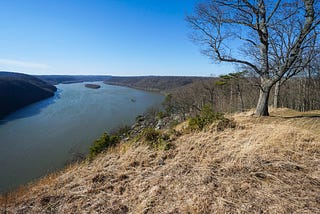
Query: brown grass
x=265, y=165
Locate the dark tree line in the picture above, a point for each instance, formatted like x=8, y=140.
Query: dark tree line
x=238, y=92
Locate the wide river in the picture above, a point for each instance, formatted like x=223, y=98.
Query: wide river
x=47, y=135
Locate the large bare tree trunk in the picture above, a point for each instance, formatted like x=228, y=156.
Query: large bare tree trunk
x=276, y=95
x=278, y=36
x=262, y=106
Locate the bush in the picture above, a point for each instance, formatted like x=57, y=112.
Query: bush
x=173, y=123
x=161, y=115
x=156, y=139
x=206, y=117
x=121, y=131
x=195, y=123
x=163, y=145
x=101, y=144
x=151, y=135
x=225, y=123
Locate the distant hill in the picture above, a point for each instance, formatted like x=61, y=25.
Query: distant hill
x=152, y=83
x=66, y=79
x=18, y=90
x=149, y=83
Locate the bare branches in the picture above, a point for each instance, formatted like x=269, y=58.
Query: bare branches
x=273, y=11
x=280, y=33
x=274, y=36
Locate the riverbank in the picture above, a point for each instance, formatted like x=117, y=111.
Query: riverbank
x=266, y=164
x=47, y=135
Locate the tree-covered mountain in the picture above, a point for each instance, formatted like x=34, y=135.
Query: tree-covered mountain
x=152, y=83
x=18, y=90
x=67, y=79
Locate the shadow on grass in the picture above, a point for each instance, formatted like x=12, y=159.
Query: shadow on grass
x=298, y=116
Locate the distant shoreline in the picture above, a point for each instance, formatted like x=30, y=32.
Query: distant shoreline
x=159, y=84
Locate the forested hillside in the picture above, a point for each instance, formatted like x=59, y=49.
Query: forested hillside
x=152, y=83
x=238, y=92
x=228, y=93
x=66, y=79
x=18, y=90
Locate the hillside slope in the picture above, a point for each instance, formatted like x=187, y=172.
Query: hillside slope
x=264, y=165
x=152, y=83
x=67, y=79
x=18, y=90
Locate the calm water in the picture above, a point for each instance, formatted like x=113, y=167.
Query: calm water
x=46, y=135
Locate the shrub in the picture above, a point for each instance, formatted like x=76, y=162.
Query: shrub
x=121, y=131
x=225, y=123
x=206, y=117
x=151, y=135
x=173, y=123
x=195, y=123
x=161, y=115
x=101, y=144
x=168, y=104
x=156, y=139
x=163, y=145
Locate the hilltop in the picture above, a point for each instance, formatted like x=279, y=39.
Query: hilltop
x=262, y=165
x=18, y=90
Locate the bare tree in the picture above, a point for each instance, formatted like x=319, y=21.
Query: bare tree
x=256, y=26
x=279, y=49
x=234, y=79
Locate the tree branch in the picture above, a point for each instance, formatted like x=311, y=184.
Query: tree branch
x=273, y=11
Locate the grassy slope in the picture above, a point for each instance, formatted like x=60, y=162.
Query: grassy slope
x=269, y=165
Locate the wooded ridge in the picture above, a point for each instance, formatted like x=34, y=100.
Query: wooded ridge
x=18, y=90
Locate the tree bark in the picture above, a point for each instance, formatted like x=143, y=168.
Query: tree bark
x=240, y=98
x=276, y=95
x=262, y=106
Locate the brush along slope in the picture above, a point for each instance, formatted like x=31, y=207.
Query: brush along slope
x=265, y=165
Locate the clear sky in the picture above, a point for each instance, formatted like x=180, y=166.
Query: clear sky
x=103, y=37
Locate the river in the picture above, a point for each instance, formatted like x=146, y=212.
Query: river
x=45, y=136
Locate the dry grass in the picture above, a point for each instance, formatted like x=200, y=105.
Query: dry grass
x=266, y=165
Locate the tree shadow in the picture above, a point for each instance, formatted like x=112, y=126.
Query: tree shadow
x=32, y=109
x=298, y=116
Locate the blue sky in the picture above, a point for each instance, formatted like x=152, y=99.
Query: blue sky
x=103, y=37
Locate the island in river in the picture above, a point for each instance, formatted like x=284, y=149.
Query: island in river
x=48, y=135
x=93, y=86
